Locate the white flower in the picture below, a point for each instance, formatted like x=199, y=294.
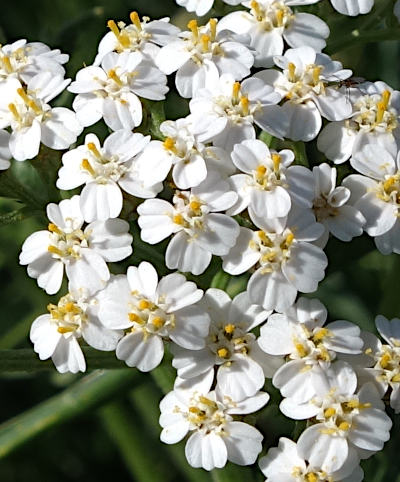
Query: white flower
x=197, y=51
x=284, y=463
x=111, y=91
x=105, y=171
x=287, y=261
x=32, y=119
x=56, y=335
x=331, y=207
x=215, y=436
x=139, y=36
x=5, y=154
x=230, y=346
x=352, y=7
x=224, y=112
x=200, y=230
x=270, y=183
x=345, y=420
x=396, y=10
x=180, y=150
x=377, y=196
x=380, y=363
x=270, y=23
x=152, y=311
x=309, y=346
x=83, y=252
x=24, y=60
x=201, y=7
x=304, y=85
x=375, y=120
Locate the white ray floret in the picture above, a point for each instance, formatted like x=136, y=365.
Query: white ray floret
x=230, y=346
x=344, y=420
x=104, y=171
x=112, y=91
x=271, y=23
x=32, y=120
x=309, y=347
x=269, y=183
x=199, y=229
x=304, y=86
x=58, y=333
x=375, y=120
x=194, y=53
x=83, y=252
x=201, y=7
x=377, y=196
x=286, y=262
x=208, y=416
x=224, y=112
x=151, y=311
x=142, y=36
x=283, y=463
x=331, y=207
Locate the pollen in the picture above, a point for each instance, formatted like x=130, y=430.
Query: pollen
x=65, y=329
x=133, y=317
x=257, y=10
x=329, y=412
x=344, y=426
x=229, y=328
x=54, y=229
x=396, y=378
x=205, y=43
x=279, y=17
x=244, y=102
x=169, y=144
x=113, y=75
x=236, y=91
x=7, y=64
x=85, y=164
x=276, y=160
x=213, y=28
x=14, y=112
x=261, y=170
x=289, y=239
x=385, y=360
x=292, y=70
x=311, y=477
x=135, y=20
x=192, y=26
x=158, y=321
x=222, y=352
x=178, y=219
x=93, y=149
x=320, y=334
x=301, y=350
x=54, y=250
x=195, y=205
x=316, y=73
x=143, y=305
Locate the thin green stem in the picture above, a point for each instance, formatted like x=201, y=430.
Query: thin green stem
x=88, y=393
x=25, y=360
x=13, y=189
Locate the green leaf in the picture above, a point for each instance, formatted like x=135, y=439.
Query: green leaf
x=89, y=392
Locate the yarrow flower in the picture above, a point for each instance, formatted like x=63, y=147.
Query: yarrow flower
x=201, y=7
x=83, y=252
x=150, y=311
x=215, y=435
x=271, y=23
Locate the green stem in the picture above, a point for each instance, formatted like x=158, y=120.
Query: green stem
x=13, y=189
x=120, y=423
x=25, y=360
x=357, y=37
x=89, y=392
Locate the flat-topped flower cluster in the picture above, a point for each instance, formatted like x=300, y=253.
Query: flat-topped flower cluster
x=223, y=183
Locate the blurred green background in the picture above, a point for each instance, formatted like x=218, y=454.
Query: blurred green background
x=118, y=440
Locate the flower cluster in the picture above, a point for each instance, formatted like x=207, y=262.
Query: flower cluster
x=222, y=187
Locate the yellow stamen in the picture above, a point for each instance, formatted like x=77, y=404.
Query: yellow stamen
x=23, y=95
x=113, y=75
x=7, y=64
x=321, y=333
x=169, y=144
x=381, y=110
x=207, y=401
x=85, y=164
x=244, y=102
x=388, y=184
x=289, y=239
x=54, y=229
x=344, y=426
x=329, y=412
x=135, y=20
x=93, y=149
x=264, y=238
x=70, y=307
x=235, y=92
x=222, y=352
x=316, y=73
x=213, y=28
x=113, y=27
x=178, y=219
x=279, y=18
x=268, y=257
x=385, y=360
x=300, y=350
x=143, y=305
x=54, y=250
x=192, y=26
x=260, y=173
x=311, y=477
x=292, y=70
x=158, y=322
x=256, y=7
x=229, y=328
x=14, y=112
x=276, y=160
x=353, y=403
x=194, y=205
x=133, y=317
x=205, y=42
x=396, y=378
x=385, y=98
x=65, y=329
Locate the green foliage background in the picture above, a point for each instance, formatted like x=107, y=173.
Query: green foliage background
x=114, y=435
